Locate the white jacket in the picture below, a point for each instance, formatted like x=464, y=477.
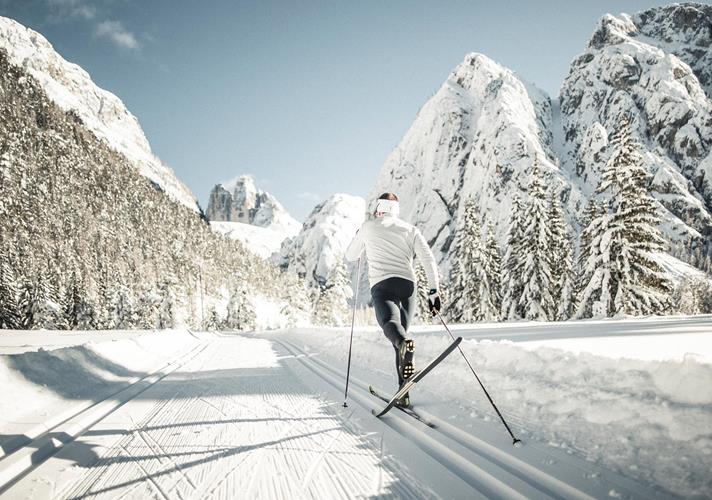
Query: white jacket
x=390, y=245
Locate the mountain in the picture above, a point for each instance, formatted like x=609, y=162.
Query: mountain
x=478, y=137
x=480, y=134
x=239, y=200
x=324, y=237
x=71, y=88
x=88, y=242
x=653, y=66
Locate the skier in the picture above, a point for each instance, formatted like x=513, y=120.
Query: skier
x=390, y=244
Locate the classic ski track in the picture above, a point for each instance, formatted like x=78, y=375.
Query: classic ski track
x=309, y=451
x=473, y=474
x=536, y=477
x=86, y=417
x=541, y=480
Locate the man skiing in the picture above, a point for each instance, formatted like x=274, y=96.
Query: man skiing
x=390, y=244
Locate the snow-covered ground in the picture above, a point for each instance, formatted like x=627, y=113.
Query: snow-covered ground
x=619, y=408
x=261, y=241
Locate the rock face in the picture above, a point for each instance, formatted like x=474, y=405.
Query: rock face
x=71, y=88
x=324, y=237
x=482, y=131
x=639, y=65
x=239, y=200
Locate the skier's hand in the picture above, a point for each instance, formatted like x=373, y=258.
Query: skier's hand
x=434, y=301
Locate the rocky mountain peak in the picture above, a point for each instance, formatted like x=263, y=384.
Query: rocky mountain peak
x=239, y=200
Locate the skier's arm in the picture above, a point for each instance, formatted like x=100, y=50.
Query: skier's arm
x=427, y=259
x=355, y=248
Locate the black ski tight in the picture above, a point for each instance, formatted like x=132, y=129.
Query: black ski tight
x=394, y=301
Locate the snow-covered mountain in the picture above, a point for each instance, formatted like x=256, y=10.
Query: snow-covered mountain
x=482, y=131
x=478, y=137
x=71, y=88
x=324, y=237
x=653, y=66
x=239, y=200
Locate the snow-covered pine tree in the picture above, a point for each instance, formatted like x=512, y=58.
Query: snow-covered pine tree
x=422, y=291
x=240, y=311
x=212, y=319
x=467, y=267
x=122, y=312
x=561, y=261
x=512, y=284
x=332, y=306
x=566, y=306
x=535, y=271
x=27, y=305
x=10, y=317
x=71, y=303
x=489, y=278
x=166, y=313
x=624, y=278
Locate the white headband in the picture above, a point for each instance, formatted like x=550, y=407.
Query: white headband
x=389, y=207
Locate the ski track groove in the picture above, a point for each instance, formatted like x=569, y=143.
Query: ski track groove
x=182, y=446
x=564, y=490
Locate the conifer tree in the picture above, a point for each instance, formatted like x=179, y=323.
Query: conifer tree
x=624, y=277
x=422, y=291
x=240, y=311
x=512, y=285
x=535, y=273
x=467, y=267
x=561, y=262
x=332, y=306
x=10, y=317
x=489, y=278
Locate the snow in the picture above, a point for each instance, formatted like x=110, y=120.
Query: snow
x=325, y=235
x=633, y=395
x=261, y=241
x=72, y=89
x=603, y=407
x=76, y=370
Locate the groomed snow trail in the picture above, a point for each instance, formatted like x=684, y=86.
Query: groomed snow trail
x=251, y=417
x=232, y=422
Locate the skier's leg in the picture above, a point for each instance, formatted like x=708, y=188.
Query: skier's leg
x=388, y=314
x=408, y=304
x=388, y=317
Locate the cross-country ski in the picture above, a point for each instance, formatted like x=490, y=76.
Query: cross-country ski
x=408, y=410
x=416, y=377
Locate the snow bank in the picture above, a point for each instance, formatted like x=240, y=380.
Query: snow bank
x=618, y=400
x=38, y=385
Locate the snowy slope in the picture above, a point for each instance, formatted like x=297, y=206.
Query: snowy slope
x=239, y=200
x=70, y=87
x=263, y=241
x=324, y=237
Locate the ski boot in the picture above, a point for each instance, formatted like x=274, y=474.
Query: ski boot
x=406, y=350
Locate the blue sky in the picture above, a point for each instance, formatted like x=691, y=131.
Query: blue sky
x=307, y=96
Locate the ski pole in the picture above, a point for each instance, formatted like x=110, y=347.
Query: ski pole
x=351, y=340
x=514, y=439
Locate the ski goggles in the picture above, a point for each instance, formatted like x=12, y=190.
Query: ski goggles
x=388, y=207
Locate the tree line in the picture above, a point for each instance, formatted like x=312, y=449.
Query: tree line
x=538, y=277
x=87, y=242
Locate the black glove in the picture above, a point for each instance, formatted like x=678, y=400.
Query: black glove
x=434, y=301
